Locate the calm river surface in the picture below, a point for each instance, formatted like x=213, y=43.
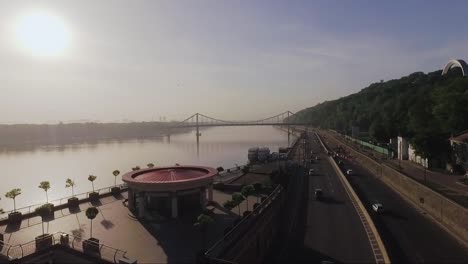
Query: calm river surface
x=219, y=146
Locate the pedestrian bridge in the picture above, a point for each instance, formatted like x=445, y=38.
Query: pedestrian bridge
x=199, y=120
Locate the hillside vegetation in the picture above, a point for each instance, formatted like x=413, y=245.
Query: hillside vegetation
x=427, y=108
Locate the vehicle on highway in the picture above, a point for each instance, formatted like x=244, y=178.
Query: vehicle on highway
x=318, y=194
x=349, y=172
x=378, y=208
x=311, y=172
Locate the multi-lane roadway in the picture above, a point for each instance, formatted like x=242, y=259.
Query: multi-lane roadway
x=408, y=234
x=331, y=228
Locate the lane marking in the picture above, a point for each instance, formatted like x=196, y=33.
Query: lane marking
x=379, y=251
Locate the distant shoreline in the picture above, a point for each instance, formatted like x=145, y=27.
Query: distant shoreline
x=31, y=135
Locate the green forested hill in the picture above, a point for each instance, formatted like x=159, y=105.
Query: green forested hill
x=427, y=108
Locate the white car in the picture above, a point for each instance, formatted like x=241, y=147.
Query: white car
x=311, y=172
x=377, y=207
x=349, y=172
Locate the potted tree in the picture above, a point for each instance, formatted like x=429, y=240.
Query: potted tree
x=72, y=201
x=203, y=222
x=45, y=185
x=91, y=245
x=14, y=217
x=247, y=191
x=258, y=190
x=93, y=196
x=229, y=204
x=237, y=199
x=150, y=165
x=45, y=240
x=115, y=190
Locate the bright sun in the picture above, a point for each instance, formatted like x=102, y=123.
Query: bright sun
x=42, y=34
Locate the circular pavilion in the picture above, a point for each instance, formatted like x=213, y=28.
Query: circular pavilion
x=163, y=188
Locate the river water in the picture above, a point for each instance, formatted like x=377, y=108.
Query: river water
x=219, y=146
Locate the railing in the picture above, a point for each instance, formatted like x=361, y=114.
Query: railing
x=22, y=250
x=30, y=208
x=231, y=170
x=239, y=230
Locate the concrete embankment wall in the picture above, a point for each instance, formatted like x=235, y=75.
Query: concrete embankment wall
x=251, y=241
x=451, y=215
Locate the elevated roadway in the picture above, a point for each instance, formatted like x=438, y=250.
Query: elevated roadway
x=330, y=229
x=408, y=234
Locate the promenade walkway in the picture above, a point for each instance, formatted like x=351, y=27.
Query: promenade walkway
x=171, y=241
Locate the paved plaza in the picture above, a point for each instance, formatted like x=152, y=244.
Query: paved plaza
x=162, y=241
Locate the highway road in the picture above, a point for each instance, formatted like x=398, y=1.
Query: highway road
x=407, y=233
x=331, y=228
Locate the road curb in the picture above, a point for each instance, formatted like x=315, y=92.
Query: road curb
x=378, y=248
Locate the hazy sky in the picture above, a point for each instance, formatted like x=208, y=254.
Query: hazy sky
x=140, y=60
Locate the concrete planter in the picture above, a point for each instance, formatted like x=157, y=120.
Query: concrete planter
x=93, y=196
x=115, y=190
x=52, y=208
x=73, y=202
x=43, y=242
x=91, y=246
x=15, y=217
x=64, y=240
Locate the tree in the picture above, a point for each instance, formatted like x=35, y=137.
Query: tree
x=229, y=204
x=246, y=169
x=150, y=165
x=92, y=178
x=45, y=185
x=70, y=183
x=258, y=189
x=43, y=211
x=237, y=198
x=12, y=195
x=116, y=173
x=247, y=191
x=203, y=221
x=1, y=209
x=91, y=213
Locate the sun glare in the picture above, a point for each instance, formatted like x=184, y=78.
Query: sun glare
x=42, y=33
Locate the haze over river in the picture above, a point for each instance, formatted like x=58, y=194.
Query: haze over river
x=219, y=146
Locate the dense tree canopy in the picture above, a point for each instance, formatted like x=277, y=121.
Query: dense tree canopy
x=427, y=108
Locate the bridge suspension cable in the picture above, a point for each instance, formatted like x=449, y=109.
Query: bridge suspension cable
x=198, y=119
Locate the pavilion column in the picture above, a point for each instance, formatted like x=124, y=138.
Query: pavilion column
x=203, y=197
x=131, y=200
x=174, y=207
x=210, y=192
x=141, y=204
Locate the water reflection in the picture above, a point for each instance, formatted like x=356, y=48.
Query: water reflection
x=24, y=167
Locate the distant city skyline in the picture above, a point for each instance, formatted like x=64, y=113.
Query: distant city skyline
x=118, y=60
